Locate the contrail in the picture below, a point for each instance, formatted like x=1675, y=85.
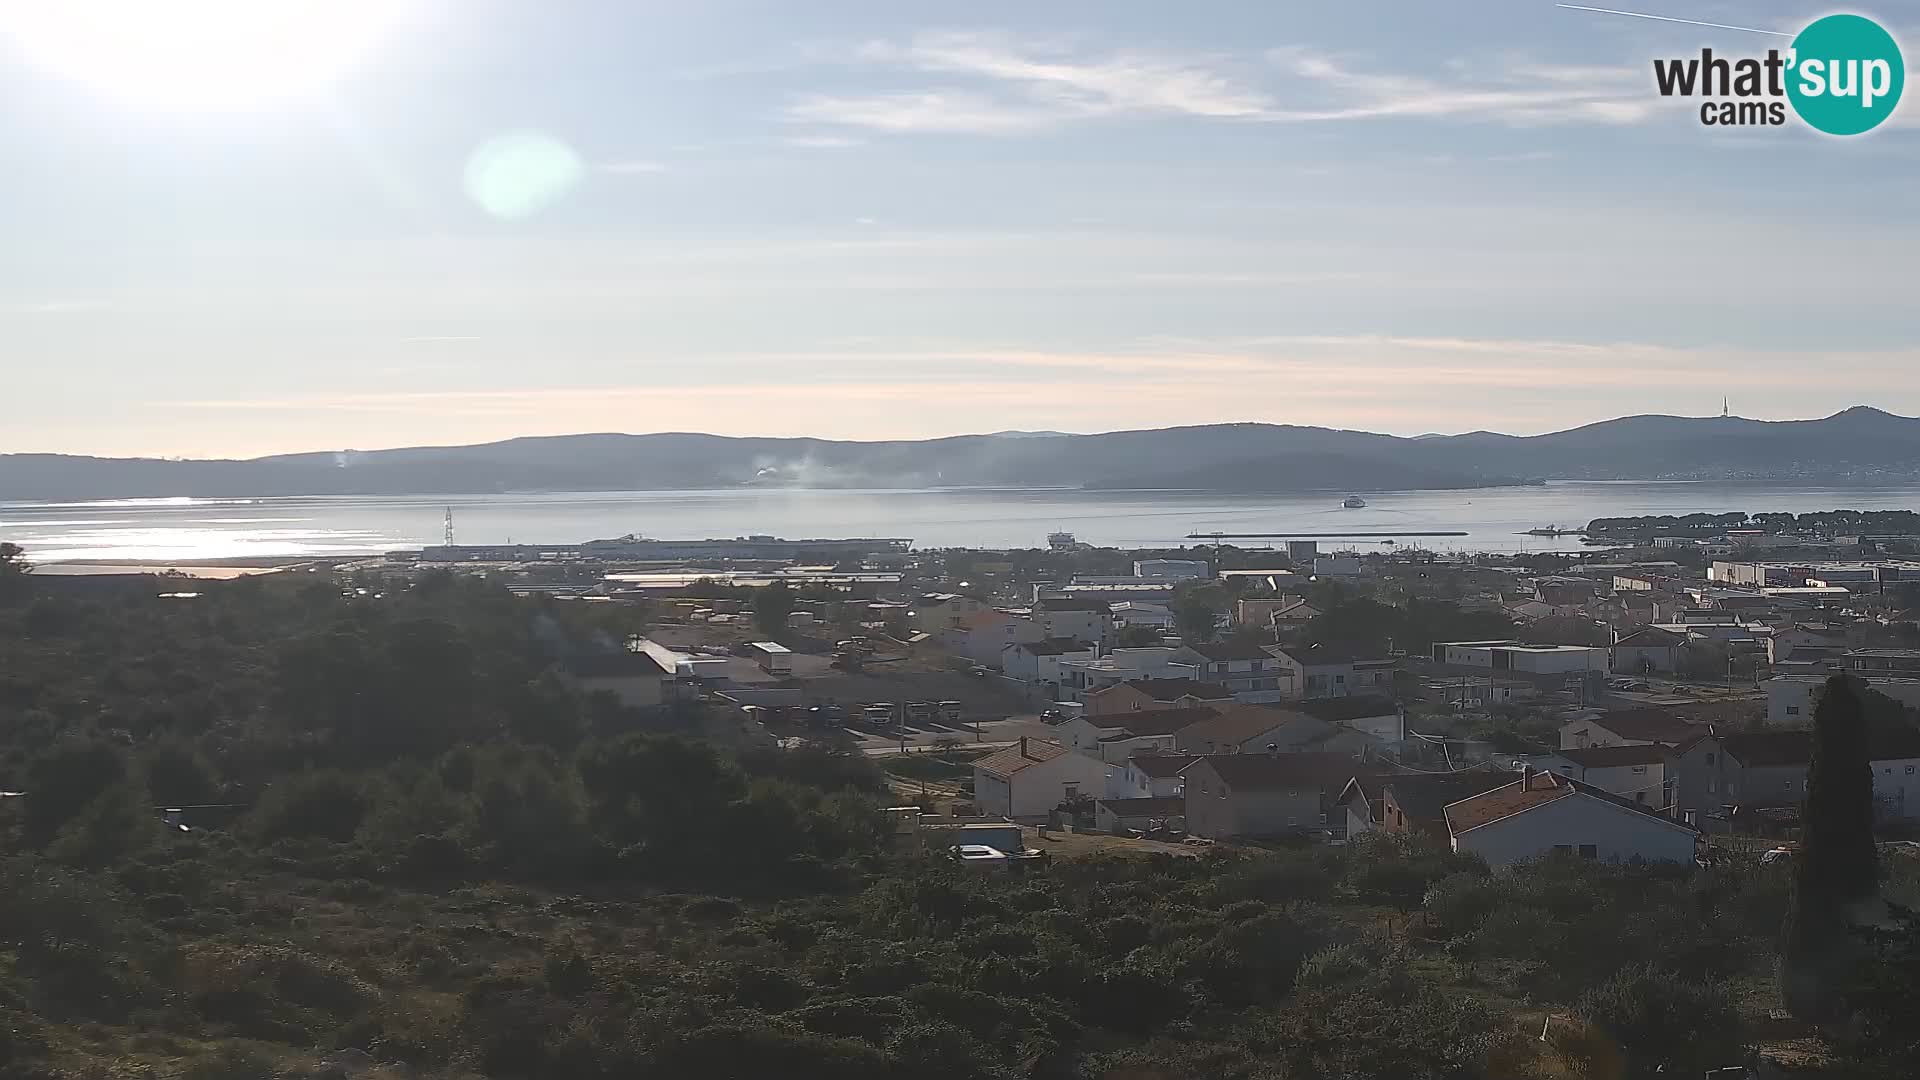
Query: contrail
x=1665, y=18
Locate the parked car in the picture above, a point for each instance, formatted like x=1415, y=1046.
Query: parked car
x=1777, y=855
x=1053, y=716
x=979, y=671
x=980, y=857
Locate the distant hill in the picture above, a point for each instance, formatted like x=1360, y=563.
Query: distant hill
x=1860, y=444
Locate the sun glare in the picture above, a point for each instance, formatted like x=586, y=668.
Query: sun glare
x=199, y=54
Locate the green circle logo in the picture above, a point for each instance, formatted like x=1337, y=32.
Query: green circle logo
x=1845, y=75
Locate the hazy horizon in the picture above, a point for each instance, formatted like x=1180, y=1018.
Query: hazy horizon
x=427, y=222
x=959, y=434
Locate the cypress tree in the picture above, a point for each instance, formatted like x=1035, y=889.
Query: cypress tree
x=1837, y=864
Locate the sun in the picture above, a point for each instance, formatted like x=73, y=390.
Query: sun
x=199, y=54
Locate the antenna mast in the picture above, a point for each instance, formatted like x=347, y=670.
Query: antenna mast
x=446, y=536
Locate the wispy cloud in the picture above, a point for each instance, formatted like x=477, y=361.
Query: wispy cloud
x=632, y=168
x=424, y=339
x=996, y=85
x=820, y=142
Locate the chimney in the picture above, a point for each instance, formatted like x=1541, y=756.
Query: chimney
x=1023, y=746
x=1526, y=775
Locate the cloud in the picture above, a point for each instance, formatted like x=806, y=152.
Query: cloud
x=821, y=142
x=1508, y=90
x=438, y=338
x=53, y=307
x=993, y=84
x=632, y=168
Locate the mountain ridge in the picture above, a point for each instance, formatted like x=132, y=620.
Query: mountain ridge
x=1857, y=444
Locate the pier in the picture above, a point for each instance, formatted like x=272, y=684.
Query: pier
x=1216, y=537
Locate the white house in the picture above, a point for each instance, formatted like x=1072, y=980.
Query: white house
x=1518, y=656
x=983, y=636
x=934, y=612
x=1115, y=737
x=1025, y=782
x=1083, y=620
x=1149, y=776
x=1082, y=677
x=1136, y=613
x=1317, y=672
x=1636, y=773
x=1791, y=698
x=1251, y=672
x=1038, y=662
x=1543, y=814
x=1628, y=727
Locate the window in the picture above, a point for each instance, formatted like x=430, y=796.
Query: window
x=1073, y=791
x=1909, y=770
x=1709, y=759
x=1589, y=851
x=1639, y=770
x=1640, y=797
x=1563, y=849
x=1793, y=710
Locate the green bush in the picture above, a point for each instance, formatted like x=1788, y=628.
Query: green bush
x=1664, y=1022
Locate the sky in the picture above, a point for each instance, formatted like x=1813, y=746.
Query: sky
x=451, y=221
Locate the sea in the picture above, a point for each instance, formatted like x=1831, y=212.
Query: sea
x=1492, y=519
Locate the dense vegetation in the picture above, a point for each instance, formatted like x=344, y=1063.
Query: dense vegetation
x=413, y=847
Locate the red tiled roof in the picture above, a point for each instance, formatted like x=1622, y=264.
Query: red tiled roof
x=1151, y=721
x=1537, y=789
x=1175, y=689
x=1238, y=723
x=1024, y=755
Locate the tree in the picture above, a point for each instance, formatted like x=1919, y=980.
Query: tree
x=1197, y=611
x=1138, y=637
x=1837, y=865
x=771, y=606
x=13, y=569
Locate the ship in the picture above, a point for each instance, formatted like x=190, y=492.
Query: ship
x=1553, y=530
x=1354, y=502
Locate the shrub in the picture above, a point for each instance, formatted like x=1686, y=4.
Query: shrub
x=1662, y=1021
x=324, y=805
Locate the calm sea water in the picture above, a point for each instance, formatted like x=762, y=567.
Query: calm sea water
x=1493, y=518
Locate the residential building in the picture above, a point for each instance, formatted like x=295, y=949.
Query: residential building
x=1084, y=620
x=1870, y=663
x=1318, y=672
x=1647, y=650
x=1135, y=613
x=1116, y=737
x=1118, y=817
x=1171, y=569
x=1786, y=640
x=1265, y=795
x=1080, y=678
x=773, y=657
x=1281, y=614
x=1767, y=770
x=1542, y=814
x=1627, y=727
x=1635, y=772
x=1252, y=673
x=1413, y=803
x=636, y=679
x=1150, y=776
x=1791, y=698
x=934, y=612
x=1038, y=663
x=983, y=636
x=1136, y=695
x=1520, y=657
x=1256, y=729
x=1026, y=781
x=1379, y=717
